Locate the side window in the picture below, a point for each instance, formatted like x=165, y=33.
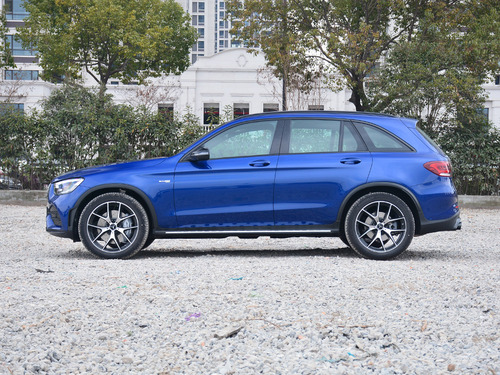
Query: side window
x=310, y=136
x=251, y=139
x=351, y=141
x=380, y=140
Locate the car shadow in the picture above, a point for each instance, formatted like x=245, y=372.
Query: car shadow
x=262, y=253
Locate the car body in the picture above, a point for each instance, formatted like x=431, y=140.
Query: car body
x=373, y=180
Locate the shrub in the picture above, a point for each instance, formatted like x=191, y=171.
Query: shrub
x=77, y=128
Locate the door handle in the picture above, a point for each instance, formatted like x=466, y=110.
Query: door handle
x=260, y=163
x=350, y=161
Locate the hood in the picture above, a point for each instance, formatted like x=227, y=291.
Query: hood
x=140, y=164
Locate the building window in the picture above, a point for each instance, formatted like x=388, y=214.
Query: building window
x=241, y=109
x=201, y=46
x=201, y=7
x=313, y=107
x=194, y=20
x=210, y=113
x=201, y=32
x=11, y=107
x=17, y=48
x=14, y=10
x=201, y=20
x=222, y=5
x=485, y=112
x=270, y=107
x=167, y=110
x=21, y=75
x=195, y=6
x=497, y=80
x=194, y=57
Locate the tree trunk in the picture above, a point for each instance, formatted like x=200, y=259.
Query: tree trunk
x=283, y=93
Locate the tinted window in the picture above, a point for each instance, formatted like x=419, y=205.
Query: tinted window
x=351, y=142
x=380, y=140
x=314, y=136
x=250, y=139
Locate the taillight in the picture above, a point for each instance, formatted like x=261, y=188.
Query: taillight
x=441, y=168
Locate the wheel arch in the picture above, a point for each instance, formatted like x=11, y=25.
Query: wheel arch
x=400, y=191
x=132, y=191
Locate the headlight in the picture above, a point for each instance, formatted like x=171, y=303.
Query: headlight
x=67, y=186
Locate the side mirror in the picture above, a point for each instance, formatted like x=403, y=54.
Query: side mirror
x=199, y=155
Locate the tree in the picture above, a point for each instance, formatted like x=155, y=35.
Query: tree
x=123, y=39
x=265, y=25
x=354, y=38
x=6, y=59
x=435, y=73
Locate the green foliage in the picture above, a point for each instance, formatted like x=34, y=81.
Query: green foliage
x=476, y=160
x=425, y=47
x=267, y=26
x=435, y=73
x=128, y=40
x=6, y=59
x=77, y=128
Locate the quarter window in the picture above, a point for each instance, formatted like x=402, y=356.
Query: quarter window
x=380, y=140
x=251, y=139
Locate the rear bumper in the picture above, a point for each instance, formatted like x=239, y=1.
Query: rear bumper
x=451, y=224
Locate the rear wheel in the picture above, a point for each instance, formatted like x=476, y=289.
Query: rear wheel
x=114, y=225
x=379, y=226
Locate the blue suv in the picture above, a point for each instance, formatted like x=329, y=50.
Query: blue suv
x=373, y=180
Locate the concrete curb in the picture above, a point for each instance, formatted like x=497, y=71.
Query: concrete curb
x=39, y=198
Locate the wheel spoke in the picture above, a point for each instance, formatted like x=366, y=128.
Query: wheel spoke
x=99, y=235
x=97, y=227
x=388, y=213
x=118, y=221
x=370, y=215
x=110, y=213
x=368, y=231
x=101, y=217
x=122, y=232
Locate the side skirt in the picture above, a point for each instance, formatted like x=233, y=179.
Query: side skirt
x=330, y=231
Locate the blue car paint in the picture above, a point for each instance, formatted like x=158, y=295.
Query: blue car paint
x=309, y=188
x=291, y=190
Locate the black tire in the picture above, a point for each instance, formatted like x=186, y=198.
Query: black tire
x=114, y=226
x=343, y=238
x=379, y=226
x=148, y=242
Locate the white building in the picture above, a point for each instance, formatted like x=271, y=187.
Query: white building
x=224, y=78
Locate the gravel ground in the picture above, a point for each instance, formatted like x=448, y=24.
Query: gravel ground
x=292, y=306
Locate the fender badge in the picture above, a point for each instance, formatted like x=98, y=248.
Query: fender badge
x=166, y=181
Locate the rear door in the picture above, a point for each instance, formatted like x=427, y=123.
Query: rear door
x=321, y=161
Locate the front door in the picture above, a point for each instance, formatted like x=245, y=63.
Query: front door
x=234, y=188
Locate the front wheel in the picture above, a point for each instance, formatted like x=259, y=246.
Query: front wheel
x=114, y=225
x=379, y=226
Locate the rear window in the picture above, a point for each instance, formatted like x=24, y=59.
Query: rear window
x=379, y=140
